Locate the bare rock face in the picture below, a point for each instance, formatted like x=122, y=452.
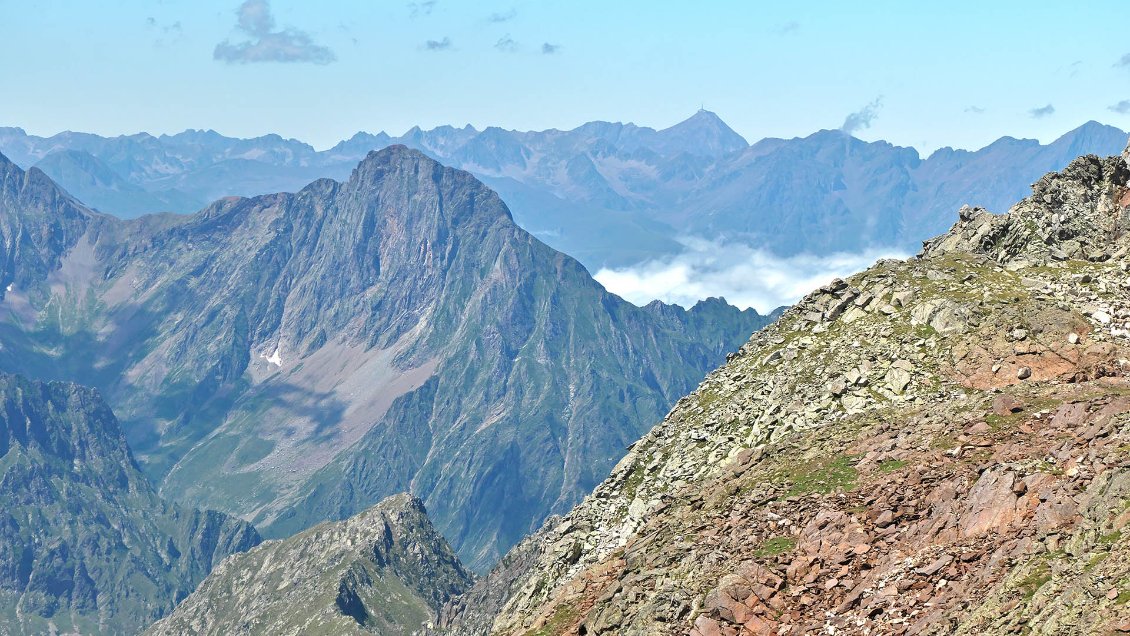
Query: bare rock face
x=385, y=571
x=934, y=446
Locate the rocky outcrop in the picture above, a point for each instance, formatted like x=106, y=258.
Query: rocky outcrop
x=86, y=545
x=930, y=446
x=385, y=571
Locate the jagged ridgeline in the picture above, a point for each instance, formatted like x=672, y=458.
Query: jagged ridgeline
x=608, y=194
x=935, y=446
x=294, y=358
x=86, y=545
x=384, y=571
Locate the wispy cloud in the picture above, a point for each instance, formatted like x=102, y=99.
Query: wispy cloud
x=1123, y=62
x=167, y=33
x=550, y=49
x=976, y=110
x=1122, y=107
x=254, y=19
x=506, y=44
x=417, y=9
x=504, y=16
x=438, y=45
x=862, y=118
x=788, y=28
x=746, y=276
x=1041, y=112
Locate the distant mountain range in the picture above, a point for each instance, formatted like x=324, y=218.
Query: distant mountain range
x=609, y=194
x=293, y=358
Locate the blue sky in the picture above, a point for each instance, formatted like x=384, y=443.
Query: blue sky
x=957, y=73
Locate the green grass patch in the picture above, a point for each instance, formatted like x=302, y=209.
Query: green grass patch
x=775, y=546
x=821, y=476
x=1107, y=540
x=707, y=398
x=1032, y=583
x=557, y=624
x=891, y=465
x=1095, y=561
x=943, y=442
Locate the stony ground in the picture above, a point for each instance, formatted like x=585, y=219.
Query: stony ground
x=940, y=445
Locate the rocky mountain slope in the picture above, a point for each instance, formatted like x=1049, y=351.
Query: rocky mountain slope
x=936, y=446
x=385, y=571
x=609, y=194
x=86, y=545
x=294, y=358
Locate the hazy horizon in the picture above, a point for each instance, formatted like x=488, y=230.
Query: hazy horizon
x=917, y=76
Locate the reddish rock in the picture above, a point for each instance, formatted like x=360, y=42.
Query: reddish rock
x=992, y=504
x=1006, y=405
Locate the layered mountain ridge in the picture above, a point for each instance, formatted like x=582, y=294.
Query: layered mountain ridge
x=609, y=194
x=930, y=446
x=86, y=545
x=293, y=358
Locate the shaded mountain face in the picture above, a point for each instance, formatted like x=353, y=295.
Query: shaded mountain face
x=294, y=358
x=613, y=194
x=931, y=446
x=85, y=542
x=92, y=181
x=384, y=571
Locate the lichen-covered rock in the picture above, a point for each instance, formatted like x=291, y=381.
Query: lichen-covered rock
x=930, y=446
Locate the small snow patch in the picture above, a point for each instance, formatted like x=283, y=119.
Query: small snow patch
x=9, y=287
x=274, y=358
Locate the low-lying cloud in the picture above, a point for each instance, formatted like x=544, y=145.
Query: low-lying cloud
x=1122, y=107
x=1041, y=112
x=746, y=276
x=550, y=49
x=438, y=45
x=267, y=45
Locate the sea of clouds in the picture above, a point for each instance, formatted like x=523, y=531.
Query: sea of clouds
x=745, y=275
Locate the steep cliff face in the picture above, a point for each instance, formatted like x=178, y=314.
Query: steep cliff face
x=385, y=571
x=294, y=358
x=931, y=446
x=85, y=543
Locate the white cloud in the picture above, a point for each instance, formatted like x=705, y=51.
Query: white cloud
x=266, y=45
x=746, y=276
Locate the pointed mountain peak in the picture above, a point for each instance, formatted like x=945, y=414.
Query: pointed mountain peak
x=703, y=115
x=1083, y=139
x=398, y=170
x=704, y=133
x=396, y=154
